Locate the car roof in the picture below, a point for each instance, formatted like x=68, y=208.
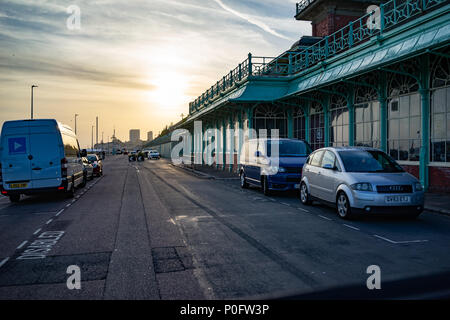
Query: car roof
x=349, y=148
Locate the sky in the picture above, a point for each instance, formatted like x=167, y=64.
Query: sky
x=135, y=64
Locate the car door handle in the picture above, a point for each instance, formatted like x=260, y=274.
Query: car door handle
x=30, y=157
x=37, y=168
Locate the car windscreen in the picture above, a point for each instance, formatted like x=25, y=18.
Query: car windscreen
x=92, y=158
x=368, y=161
x=288, y=148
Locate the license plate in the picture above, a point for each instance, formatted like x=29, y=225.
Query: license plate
x=18, y=185
x=398, y=199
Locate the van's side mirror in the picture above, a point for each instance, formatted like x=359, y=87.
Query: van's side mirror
x=83, y=153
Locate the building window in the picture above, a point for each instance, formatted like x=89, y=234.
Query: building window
x=404, y=125
x=367, y=118
x=338, y=121
x=299, y=124
x=440, y=111
x=317, y=125
x=270, y=117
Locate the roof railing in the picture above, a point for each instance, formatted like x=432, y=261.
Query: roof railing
x=302, y=5
x=386, y=17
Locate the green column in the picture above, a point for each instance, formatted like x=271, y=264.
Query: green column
x=326, y=118
x=307, y=122
x=230, y=166
x=290, y=124
x=383, y=113
x=425, y=135
x=224, y=144
x=250, y=121
x=218, y=144
x=351, y=119
x=241, y=137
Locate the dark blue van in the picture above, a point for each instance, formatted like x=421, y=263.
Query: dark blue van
x=280, y=171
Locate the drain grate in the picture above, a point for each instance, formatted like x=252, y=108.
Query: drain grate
x=171, y=259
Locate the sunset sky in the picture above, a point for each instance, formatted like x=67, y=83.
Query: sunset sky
x=135, y=64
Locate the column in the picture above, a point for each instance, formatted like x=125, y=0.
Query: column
x=290, y=124
x=383, y=113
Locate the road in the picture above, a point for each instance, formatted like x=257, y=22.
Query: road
x=154, y=231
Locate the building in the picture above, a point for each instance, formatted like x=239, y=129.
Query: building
x=380, y=79
x=135, y=136
x=149, y=136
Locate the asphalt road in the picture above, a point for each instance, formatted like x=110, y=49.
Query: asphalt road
x=153, y=231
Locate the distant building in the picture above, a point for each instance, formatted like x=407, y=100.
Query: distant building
x=149, y=136
x=135, y=136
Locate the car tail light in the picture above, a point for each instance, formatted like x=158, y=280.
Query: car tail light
x=64, y=167
x=4, y=192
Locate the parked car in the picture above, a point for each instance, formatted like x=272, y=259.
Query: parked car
x=153, y=154
x=280, y=171
x=359, y=179
x=39, y=156
x=97, y=164
x=88, y=169
x=132, y=156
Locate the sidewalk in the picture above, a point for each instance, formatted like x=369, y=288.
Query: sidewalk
x=435, y=202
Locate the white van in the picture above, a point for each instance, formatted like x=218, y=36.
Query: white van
x=39, y=156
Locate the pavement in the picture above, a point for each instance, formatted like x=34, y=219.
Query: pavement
x=150, y=230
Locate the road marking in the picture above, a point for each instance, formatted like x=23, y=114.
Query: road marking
x=351, y=227
x=286, y=204
x=37, y=231
x=4, y=261
x=22, y=244
x=302, y=209
x=399, y=242
x=59, y=212
x=4, y=215
x=68, y=205
x=326, y=218
x=49, y=221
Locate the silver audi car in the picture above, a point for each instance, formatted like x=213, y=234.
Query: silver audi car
x=360, y=180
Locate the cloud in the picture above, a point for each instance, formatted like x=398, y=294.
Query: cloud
x=251, y=20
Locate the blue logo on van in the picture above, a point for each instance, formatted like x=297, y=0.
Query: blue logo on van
x=17, y=145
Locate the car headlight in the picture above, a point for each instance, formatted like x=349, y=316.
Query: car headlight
x=275, y=169
x=362, y=186
x=418, y=186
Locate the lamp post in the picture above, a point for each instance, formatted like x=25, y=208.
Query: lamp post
x=76, y=115
x=92, y=139
x=32, y=87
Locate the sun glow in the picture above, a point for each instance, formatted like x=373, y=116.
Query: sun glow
x=169, y=90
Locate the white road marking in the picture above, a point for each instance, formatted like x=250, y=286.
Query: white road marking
x=4, y=261
x=4, y=215
x=286, y=204
x=59, y=212
x=49, y=221
x=351, y=227
x=326, y=218
x=37, y=231
x=22, y=244
x=68, y=205
x=399, y=242
x=302, y=209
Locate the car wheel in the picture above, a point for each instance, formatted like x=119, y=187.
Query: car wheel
x=71, y=193
x=244, y=183
x=265, y=186
x=83, y=184
x=304, y=194
x=343, y=206
x=14, y=198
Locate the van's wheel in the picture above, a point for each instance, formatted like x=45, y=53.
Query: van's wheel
x=265, y=186
x=83, y=184
x=305, y=198
x=343, y=206
x=244, y=183
x=71, y=193
x=14, y=198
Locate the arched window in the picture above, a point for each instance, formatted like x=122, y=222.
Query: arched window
x=299, y=124
x=367, y=117
x=269, y=116
x=440, y=111
x=339, y=115
x=404, y=118
x=317, y=125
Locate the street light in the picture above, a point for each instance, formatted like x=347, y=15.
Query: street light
x=92, y=138
x=76, y=115
x=32, y=87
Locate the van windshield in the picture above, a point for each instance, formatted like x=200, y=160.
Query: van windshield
x=288, y=148
x=368, y=161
